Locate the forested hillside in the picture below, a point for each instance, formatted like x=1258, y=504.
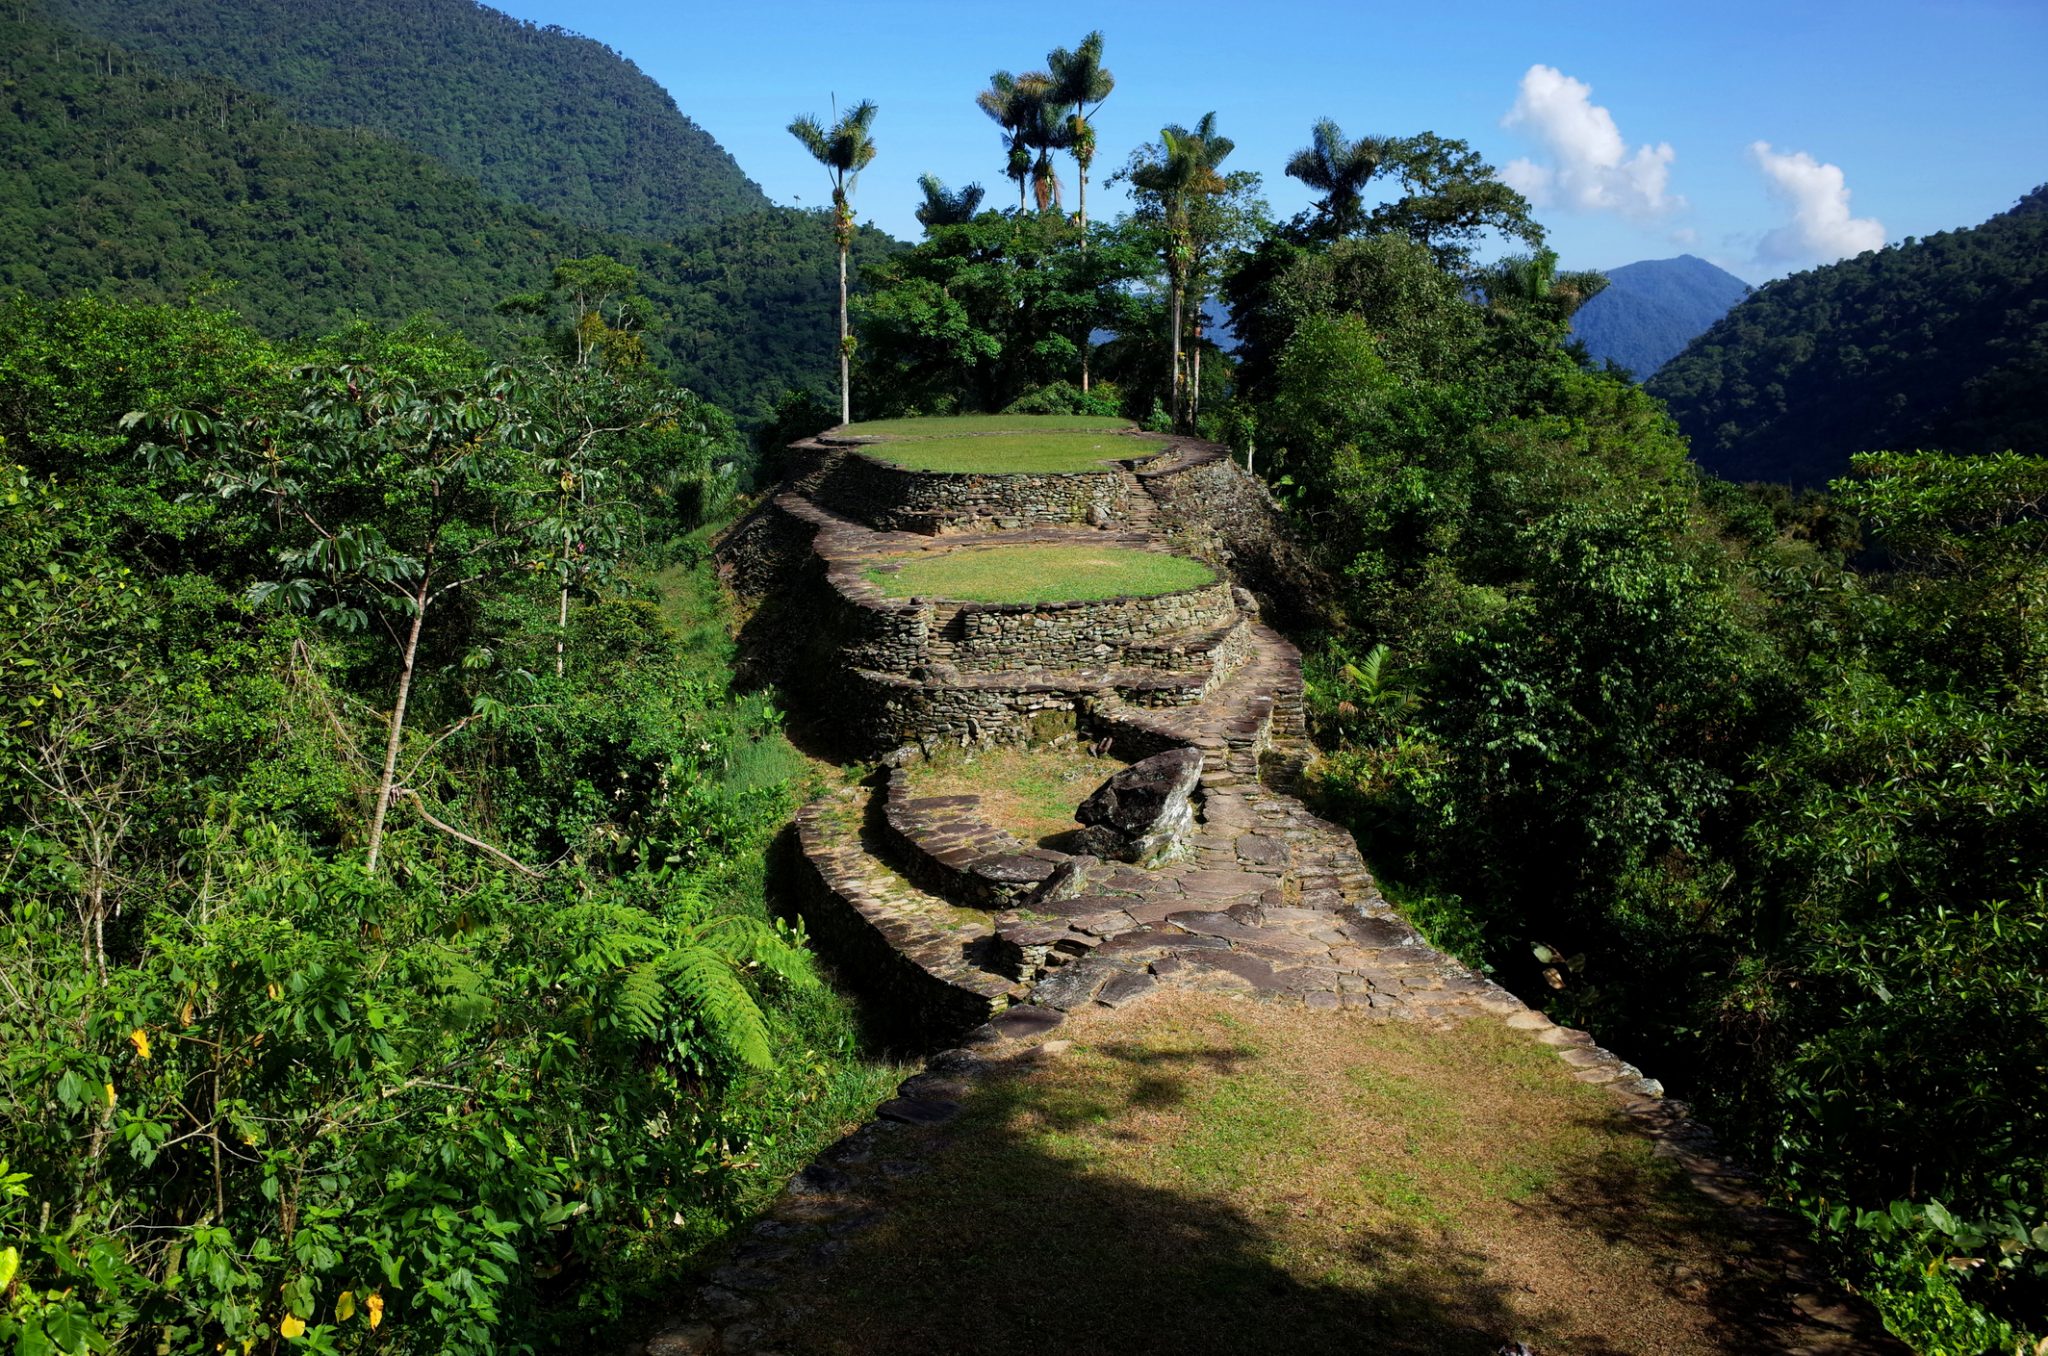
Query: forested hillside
x=1650, y=311
x=118, y=178
x=382, y=882
x=537, y=115
x=1939, y=343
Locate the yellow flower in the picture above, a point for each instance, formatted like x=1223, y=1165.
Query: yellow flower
x=110, y=1094
x=140, y=1040
x=292, y=1326
x=374, y=1302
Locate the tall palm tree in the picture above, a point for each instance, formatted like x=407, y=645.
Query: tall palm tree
x=947, y=207
x=1179, y=179
x=844, y=149
x=1338, y=168
x=1033, y=128
x=1078, y=81
x=1007, y=105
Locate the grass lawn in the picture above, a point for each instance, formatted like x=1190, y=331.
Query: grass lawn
x=1031, y=792
x=1013, y=453
x=939, y=426
x=1040, y=574
x=1203, y=1174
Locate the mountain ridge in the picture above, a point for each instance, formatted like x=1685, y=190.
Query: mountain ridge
x=118, y=178
x=1932, y=344
x=1650, y=310
x=534, y=114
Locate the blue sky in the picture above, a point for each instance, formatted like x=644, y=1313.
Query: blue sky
x=1766, y=137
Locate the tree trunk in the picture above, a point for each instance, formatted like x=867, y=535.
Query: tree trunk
x=1174, y=324
x=562, y=623
x=845, y=389
x=390, y=777
x=1195, y=361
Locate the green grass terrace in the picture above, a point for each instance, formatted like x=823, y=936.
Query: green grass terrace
x=1004, y=444
x=1038, y=574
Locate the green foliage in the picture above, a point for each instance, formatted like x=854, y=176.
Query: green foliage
x=1643, y=746
x=1102, y=399
x=1940, y=343
x=250, y=1092
x=983, y=313
x=534, y=114
x=153, y=189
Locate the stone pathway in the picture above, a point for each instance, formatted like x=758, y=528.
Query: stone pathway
x=982, y=943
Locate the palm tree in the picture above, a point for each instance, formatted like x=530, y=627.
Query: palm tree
x=1079, y=80
x=1530, y=284
x=1033, y=128
x=945, y=207
x=1183, y=175
x=844, y=149
x=1338, y=168
x=1006, y=103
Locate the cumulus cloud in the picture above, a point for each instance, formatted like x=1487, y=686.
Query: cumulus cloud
x=1592, y=168
x=1821, y=230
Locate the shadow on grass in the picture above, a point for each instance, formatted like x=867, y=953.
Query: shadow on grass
x=1016, y=1238
x=1019, y=1230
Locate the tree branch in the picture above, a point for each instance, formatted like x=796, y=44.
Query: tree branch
x=419, y=803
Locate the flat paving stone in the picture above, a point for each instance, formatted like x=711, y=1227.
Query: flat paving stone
x=917, y=1111
x=1071, y=987
x=1022, y=1023
x=1223, y=883
x=1124, y=989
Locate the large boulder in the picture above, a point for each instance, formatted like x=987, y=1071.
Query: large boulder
x=1146, y=813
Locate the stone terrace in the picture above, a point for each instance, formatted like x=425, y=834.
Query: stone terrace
x=977, y=942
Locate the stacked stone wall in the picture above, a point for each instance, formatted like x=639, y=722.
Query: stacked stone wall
x=884, y=710
x=890, y=498
x=994, y=636
x=1217, y=508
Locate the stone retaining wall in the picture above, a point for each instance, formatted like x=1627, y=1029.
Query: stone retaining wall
x=987, y=637
x=927, y=989
x=943, y=844
x=881, y=711
x=890, y=498
x=1219, y=509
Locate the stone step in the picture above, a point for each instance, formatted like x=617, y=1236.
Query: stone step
x=927, y=960
x=1221, y=647
x=947, y=846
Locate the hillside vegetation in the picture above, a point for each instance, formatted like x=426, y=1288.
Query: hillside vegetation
x=1650, y=311
x=534, y=114
x=123, y=180
x=381, y=902
x=1936, y=344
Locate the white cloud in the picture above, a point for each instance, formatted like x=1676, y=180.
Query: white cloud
x=1821, y=230
x=1594, y=170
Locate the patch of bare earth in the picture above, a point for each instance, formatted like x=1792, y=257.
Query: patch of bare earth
x=1207, y=1174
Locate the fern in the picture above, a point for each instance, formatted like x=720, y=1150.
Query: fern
x=652, y=975
x=712, y=991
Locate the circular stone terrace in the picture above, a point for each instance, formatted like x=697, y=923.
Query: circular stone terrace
x=996, y=444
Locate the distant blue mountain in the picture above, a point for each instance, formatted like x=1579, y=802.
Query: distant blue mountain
x=1650, y=311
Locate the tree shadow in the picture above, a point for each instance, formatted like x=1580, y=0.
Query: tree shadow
x=1758, y=1281
x=1003, y=1234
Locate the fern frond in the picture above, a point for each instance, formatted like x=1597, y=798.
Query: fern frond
x=712, y=990
x=753, y=940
